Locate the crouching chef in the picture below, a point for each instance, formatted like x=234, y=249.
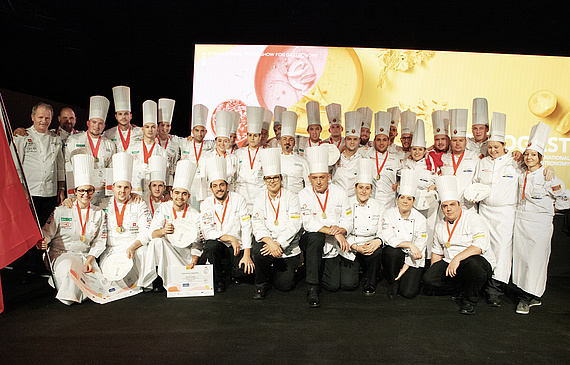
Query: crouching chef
x=276, y=225
x=226, y=225
x=75, y=235
x=127, y=222
x=175, y=237
x=462, y=258
x=327, y=219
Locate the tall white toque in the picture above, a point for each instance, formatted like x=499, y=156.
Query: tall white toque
x=447, y=187
x=255, y=116
x=83, y=170
x=122, y=98
x=313, y=113
x=184, y=174
x=98, y=107
x=353, y=123
x=538, y=137
x=334, y=113
x=419, y=138
x=165, y=110
x=498, y=127
x=459, y=122
x=216, y=169
x=288, y=123
x=224, y=123
x=157, y=168
x=480, y=112
x=271, y=161
x=199, y=115
x=382, y=123
x=122, y=167
x=440, y=120
x=149, y=112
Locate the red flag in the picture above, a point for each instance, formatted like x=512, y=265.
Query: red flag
x=19, y=229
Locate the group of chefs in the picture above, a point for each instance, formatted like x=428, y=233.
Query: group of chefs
x=463, y=217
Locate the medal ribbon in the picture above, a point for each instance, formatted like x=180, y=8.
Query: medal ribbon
x=198, y=154
x=147, y=154
x=183, y=214
x=337, y=145
x=94, y=150
x=311, y=145
x=323, y=207
x=524, y=186
x=454, y=226
x=456, y=165
x=83, y=226
x=119, y=216
x=278, y=205
x=123, y=141
x=379, y=170
x=224, y=214
x=254, y=157
x=218, y=153
x=166, y=144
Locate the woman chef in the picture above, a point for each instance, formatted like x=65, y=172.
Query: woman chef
x=533, y=222
x=75, y=235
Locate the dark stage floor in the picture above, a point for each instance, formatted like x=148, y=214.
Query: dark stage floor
x=234, y=328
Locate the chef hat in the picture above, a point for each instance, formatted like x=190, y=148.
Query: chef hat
x=365, y=171
x=216, y=169
x=353, y=123
x=459, y=122
x=235, y=124
x=271, y=161
x=498, y=127
x=98, y=107
x=199, y=115
x=122, y=167
x=382, y=123
x=313, y=113
x=480, y=112
x=288, y=123
x=157, y=168
x=440, y=122
x=447, y=187
x=366, y=116
x=408, y=182
x=538, y=137
x=277, y=114
x=408, y=119
x=394, y=116
x=334, y=113
x=165, y=110
x=318, y=158
x=149, y=112
x=224, y=122
x=122, y=98
x=83, y=169
x=254, y=118
x=267, y=116
x=185, y=171
x=419, y=138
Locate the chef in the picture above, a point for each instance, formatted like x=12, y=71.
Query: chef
x=124, y=133
x=143, y=150
x=128, y=223
x=66, y=125
x=327, y=220
x=294, y=168
x=404, y=232
x=224, y=122
x=334, y=114
x=75, y=235
x=364, y=240
x=157, y=166
x=226, y=224
x=233, y=146
x=93, y=142
x=274, y=142
x=533, y=221
x=249, y=178
x=387, y=163
x=440, y=121
x=367, y=115
x=458, y=161
x=345, y=170
x=313, y=128
x=165, y=249
x=169, y=142
x=408, y=123
x=276, y=223
x=395, y=115
x=479, y=127
x=462, y=258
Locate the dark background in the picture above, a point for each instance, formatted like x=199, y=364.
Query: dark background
x=67, y=51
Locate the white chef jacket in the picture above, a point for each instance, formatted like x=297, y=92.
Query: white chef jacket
x=398, y=151
x=502, y=175
x=295, y=172
x=344, y=173
x=382, y=188
x=113, y=134
x=338, y=144
x=42, y=161
x=464, y=173
x=287, y=232
x=273, y=143
x=541, y=196
x=140, y=172
x=136, y=223
x=472, y=230
x=249, y=181
x=164, y=214
x=302, y=143
x=237, y=221
x=171, y=147
x=480, y=148
x=151, y=205
x=396, y=230
x=189, y=150
x=365, y=223
x=338, y=212
x=63, y=134
x=231, y=167
x=426, y=178
x=80, y=141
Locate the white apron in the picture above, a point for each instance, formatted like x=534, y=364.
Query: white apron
x=500, y=223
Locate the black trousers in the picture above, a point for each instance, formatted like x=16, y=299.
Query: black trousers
x=410, y=282
x=340, y=273
x=312, y=244
x=279, y=270
x=214, y=252
x=371, y=264
x=472, y=275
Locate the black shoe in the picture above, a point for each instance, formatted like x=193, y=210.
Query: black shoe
x=369, y=289
x=220, y=287
x=313, y=297
x=260, y=291
x=393, y=290
x=493, y=301
x=467, y=308
x=158, y=285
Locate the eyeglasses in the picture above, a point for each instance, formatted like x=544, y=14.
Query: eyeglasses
x=85, y=191
x=272, y=178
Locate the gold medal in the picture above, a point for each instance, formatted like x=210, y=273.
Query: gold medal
x=447, y=244
x=145, y=165
x=276, y=222
x=120, y=229
x=324, y=215
x=96, y=159
x=378, y=177
x=82, y=238
x=251, y=172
